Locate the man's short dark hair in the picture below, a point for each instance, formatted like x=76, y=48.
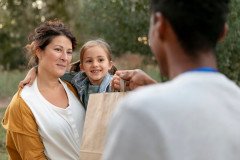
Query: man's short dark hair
x=198, y=24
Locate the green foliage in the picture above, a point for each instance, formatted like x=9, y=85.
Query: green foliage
x=9, y=82
x=19, y=17
x=229, y=51
x=14, y=31
x=8, y=86
x=122, y=23
x=3, y=152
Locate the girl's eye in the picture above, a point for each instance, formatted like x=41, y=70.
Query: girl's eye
x=88, y=61
x=101, y=59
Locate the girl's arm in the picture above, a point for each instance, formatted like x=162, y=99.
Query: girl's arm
x=30, y=77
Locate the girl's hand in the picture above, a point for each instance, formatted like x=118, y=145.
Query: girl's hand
x=30, y=77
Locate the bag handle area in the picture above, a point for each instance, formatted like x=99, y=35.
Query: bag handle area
x=122, y=85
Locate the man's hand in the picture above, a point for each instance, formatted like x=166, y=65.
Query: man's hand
x=132, y=78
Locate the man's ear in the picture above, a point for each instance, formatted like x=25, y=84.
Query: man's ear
x=223, y=33
x=159, y=22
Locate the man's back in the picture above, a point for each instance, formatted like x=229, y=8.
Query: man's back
x=196, y=116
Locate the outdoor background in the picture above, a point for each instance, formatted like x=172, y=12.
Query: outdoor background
x=122, y=23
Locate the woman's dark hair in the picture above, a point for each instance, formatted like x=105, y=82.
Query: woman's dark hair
x=44, y=34
x=198, y=24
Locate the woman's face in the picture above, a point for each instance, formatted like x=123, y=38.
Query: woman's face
x=56, y=57
x=95, y=64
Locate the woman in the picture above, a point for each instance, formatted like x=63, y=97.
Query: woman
x=45, y=120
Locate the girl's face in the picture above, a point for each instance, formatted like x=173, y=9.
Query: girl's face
x=95, y=64
x=56, y=57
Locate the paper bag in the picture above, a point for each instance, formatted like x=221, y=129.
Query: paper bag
x=99, y=111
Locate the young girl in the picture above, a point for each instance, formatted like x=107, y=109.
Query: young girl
x=93, y=77
x=95, y=62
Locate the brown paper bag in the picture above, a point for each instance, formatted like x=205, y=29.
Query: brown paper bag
x=99, y=111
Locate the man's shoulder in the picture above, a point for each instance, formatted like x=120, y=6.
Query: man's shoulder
x=148, y=94
x=153, y=90
x=158, y=95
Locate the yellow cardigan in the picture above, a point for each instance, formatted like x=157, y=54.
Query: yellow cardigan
x=23, y=141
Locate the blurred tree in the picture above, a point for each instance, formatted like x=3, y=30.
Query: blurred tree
x=14, y=27
x=229, y=50
x=19, y=18
x=122, y=23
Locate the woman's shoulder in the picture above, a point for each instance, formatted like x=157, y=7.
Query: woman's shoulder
x=16, y=113
x=16, y=102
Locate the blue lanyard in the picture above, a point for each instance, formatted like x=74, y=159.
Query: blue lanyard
x=204, y=69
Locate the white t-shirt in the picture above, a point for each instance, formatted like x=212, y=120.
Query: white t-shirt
x=195, y=116
x=60, y=129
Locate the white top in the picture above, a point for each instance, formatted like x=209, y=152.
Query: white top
x=196, y=116
x=60, y=129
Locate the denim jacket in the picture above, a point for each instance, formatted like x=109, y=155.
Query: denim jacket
x=81, y=82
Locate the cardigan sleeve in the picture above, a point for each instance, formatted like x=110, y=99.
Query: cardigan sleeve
x=22, y=138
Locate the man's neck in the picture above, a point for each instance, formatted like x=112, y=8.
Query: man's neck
x=187, y=63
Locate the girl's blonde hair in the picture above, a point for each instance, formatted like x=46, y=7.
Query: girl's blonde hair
x=75, y=67
x=97, y=42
